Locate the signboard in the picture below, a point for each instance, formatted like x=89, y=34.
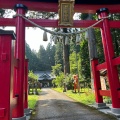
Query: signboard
x=66, y=12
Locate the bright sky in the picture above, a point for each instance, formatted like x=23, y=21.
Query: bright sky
x=34, y=37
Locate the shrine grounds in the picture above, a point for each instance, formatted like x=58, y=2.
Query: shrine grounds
x=52, y=105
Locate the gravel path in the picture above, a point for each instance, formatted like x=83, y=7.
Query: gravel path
x=57, y=106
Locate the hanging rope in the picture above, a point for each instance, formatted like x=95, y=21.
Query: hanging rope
x=61, y=33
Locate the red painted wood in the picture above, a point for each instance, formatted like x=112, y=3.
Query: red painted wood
x=7, y=22
x=26, y=85
x=109, y=55
x=96, y=77
x=54, y=23
x=116, y=61
x=105, y=93
x=2, y=112
x=53, y=7
x=114, y=24
x=101, y=66
x=48, y=23
x=119, y=94
x=19, y=71
x=5, y=76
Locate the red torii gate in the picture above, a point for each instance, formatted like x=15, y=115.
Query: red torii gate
x=110, y=61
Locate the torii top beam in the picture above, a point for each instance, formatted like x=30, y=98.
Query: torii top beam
x=83, y=6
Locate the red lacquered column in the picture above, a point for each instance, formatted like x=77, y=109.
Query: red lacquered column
x=109, y=56
x=18, y=112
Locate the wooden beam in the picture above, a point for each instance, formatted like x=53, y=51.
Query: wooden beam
x=49, y=23
x=105, y=93
x=54, y=23
x=53, y=7
x=101, y=66
x=116, y=61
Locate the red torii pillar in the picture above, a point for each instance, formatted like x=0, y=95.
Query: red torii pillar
x=18, y=112
x=7, y=102
x=97, y=84
x=109, y=56
x=26, y=109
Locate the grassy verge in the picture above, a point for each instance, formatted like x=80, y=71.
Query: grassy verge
x=32, y=100
x=86, y=96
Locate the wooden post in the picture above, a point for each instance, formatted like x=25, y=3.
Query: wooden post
x=92, y=48
x=18, y=112
x=66, y=55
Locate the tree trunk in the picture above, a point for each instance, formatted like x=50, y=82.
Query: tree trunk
x=66, y=55
x=92, y=47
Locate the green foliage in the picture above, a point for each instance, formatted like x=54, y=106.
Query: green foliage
x=2, y=12
x=57, y=69
x=73, y=63
x=50, y=53
x=59, y=80
x=62, y=79
x=84, y=67
x=32, y=77
x=79, y=55
x=34, y=63
x=32, y=99
x=59, y=54
x=68, y=80
x=41, y=61
x=116, y=43
x=100, y=51
x=84, y=16
x=42, y=57
x=86, y=97
x=107, y=100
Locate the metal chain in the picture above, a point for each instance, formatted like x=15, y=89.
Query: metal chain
x=61, y=33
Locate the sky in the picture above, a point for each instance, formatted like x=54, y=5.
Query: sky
x=34, y=37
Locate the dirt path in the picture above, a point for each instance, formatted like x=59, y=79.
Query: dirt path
x=57, y=106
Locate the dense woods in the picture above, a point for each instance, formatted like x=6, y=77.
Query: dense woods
x=52, y=57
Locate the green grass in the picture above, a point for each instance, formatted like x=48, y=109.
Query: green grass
x=32, y=100
x=86, y=96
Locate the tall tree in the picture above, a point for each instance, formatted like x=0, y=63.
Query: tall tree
x=84, y=64
x=66, y=55
x=91, y=43
x=59, y=54
x=42, y=57
x=33, y=60
x=50, y=53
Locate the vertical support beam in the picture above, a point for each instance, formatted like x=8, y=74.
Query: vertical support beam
x=97, y=84
x=66, y=55
x=109, y=56
x=26, y=109
x=26, y=85
x=5, y=76
x=18, y=112
x=92, y=47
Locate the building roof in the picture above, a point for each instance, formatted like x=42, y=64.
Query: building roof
x=44, y=75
